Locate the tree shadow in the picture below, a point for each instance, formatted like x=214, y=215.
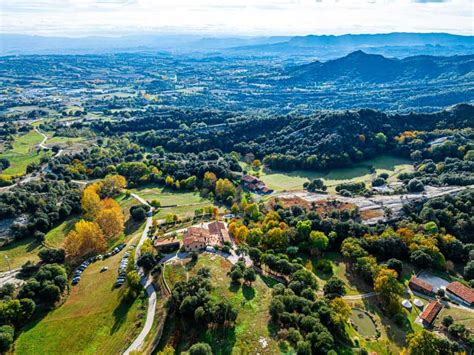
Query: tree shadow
x=120, y=313
x=190, y=264
x=131, y=226
x=234, y=287
x=248, y=292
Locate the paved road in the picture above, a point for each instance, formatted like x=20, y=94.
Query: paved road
x=44, y=168
x=360, y=296
x=146, y=281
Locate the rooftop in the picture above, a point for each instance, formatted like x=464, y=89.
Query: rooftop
x=421, y=284
x=431, y=311
x=463, y=292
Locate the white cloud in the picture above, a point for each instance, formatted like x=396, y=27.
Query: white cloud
x=79, y=17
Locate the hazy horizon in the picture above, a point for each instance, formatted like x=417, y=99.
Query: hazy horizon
x=69, y=18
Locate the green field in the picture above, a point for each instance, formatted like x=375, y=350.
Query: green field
x=459, y=315
x=365, y=326
x=354, y=285
x=18, y=253
x=251, y=328
x=182, y=204
x=280, y=181
x=23, y=152
x=95, y=319
x=55, y=237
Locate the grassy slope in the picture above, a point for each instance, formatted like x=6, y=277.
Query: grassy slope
x=252, y=322
x=95, y=319
x=19, y=252
x=23, y=153
x=55, y=237
x=358, y=173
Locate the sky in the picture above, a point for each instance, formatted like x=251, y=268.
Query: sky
x=234, y=17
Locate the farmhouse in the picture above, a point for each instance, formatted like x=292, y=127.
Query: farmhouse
x=421, y=286
x=430, y=313
x=219, y=229
x=167, y=243
x=255, y=185
x=197, y=238
x=461, y=293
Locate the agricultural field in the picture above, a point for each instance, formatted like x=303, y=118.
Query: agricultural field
x=23, y=152
x=251, y=333
x=95, y=319
x=281, y=181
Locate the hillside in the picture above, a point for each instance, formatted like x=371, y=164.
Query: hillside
x=362, y=67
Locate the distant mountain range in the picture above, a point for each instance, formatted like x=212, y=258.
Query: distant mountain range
x=318, y=47
x=362, y=67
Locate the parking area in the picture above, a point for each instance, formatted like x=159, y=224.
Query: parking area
x=436, y=281
x=76, y=278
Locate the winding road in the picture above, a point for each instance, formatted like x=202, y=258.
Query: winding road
x=147, y=282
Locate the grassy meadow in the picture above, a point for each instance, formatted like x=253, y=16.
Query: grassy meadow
x=361, y=172
x=251, y=333
x=23, y=152
x=96, y=318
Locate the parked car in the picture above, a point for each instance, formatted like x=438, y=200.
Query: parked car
x=105, y=268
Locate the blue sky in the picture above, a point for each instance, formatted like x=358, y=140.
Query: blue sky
x=235, y=17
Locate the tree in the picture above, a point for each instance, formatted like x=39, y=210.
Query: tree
x=422, y=343
x=225, y=189
x=318, y=241
x=334, y=287
x=389, y=289
x=469, y=270
x=415, y=185
x=447, y=321
x=51, y=256
x=110, y=218
x=457, y=330
x=112, y=185
x=249, y=276
x=236, y=275
x=342, y=311
x=90, y=201
x=6, y=338
x=138, y=213
x=395, y=264
x=200, y=349
x=87, y=237
x=50, y=294
x=209, y=181
x=256, y=164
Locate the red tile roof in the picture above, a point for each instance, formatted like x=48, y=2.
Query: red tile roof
x=431, y=311
x=417, y=283
x=463, y=292
x=249, y=178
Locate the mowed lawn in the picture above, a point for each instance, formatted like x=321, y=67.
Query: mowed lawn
x=23, y=152
x=251, y=333
x=18, y=253
x=361, y=172
x=95, y=319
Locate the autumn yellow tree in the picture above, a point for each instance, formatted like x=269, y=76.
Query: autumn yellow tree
x=342, y=311
x=389, y=289
x=87, y=237
x=112, y=185
x=110, y=218
x=90, y=201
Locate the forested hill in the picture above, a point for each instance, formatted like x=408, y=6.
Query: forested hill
x=362, y=67
x=322, y=140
